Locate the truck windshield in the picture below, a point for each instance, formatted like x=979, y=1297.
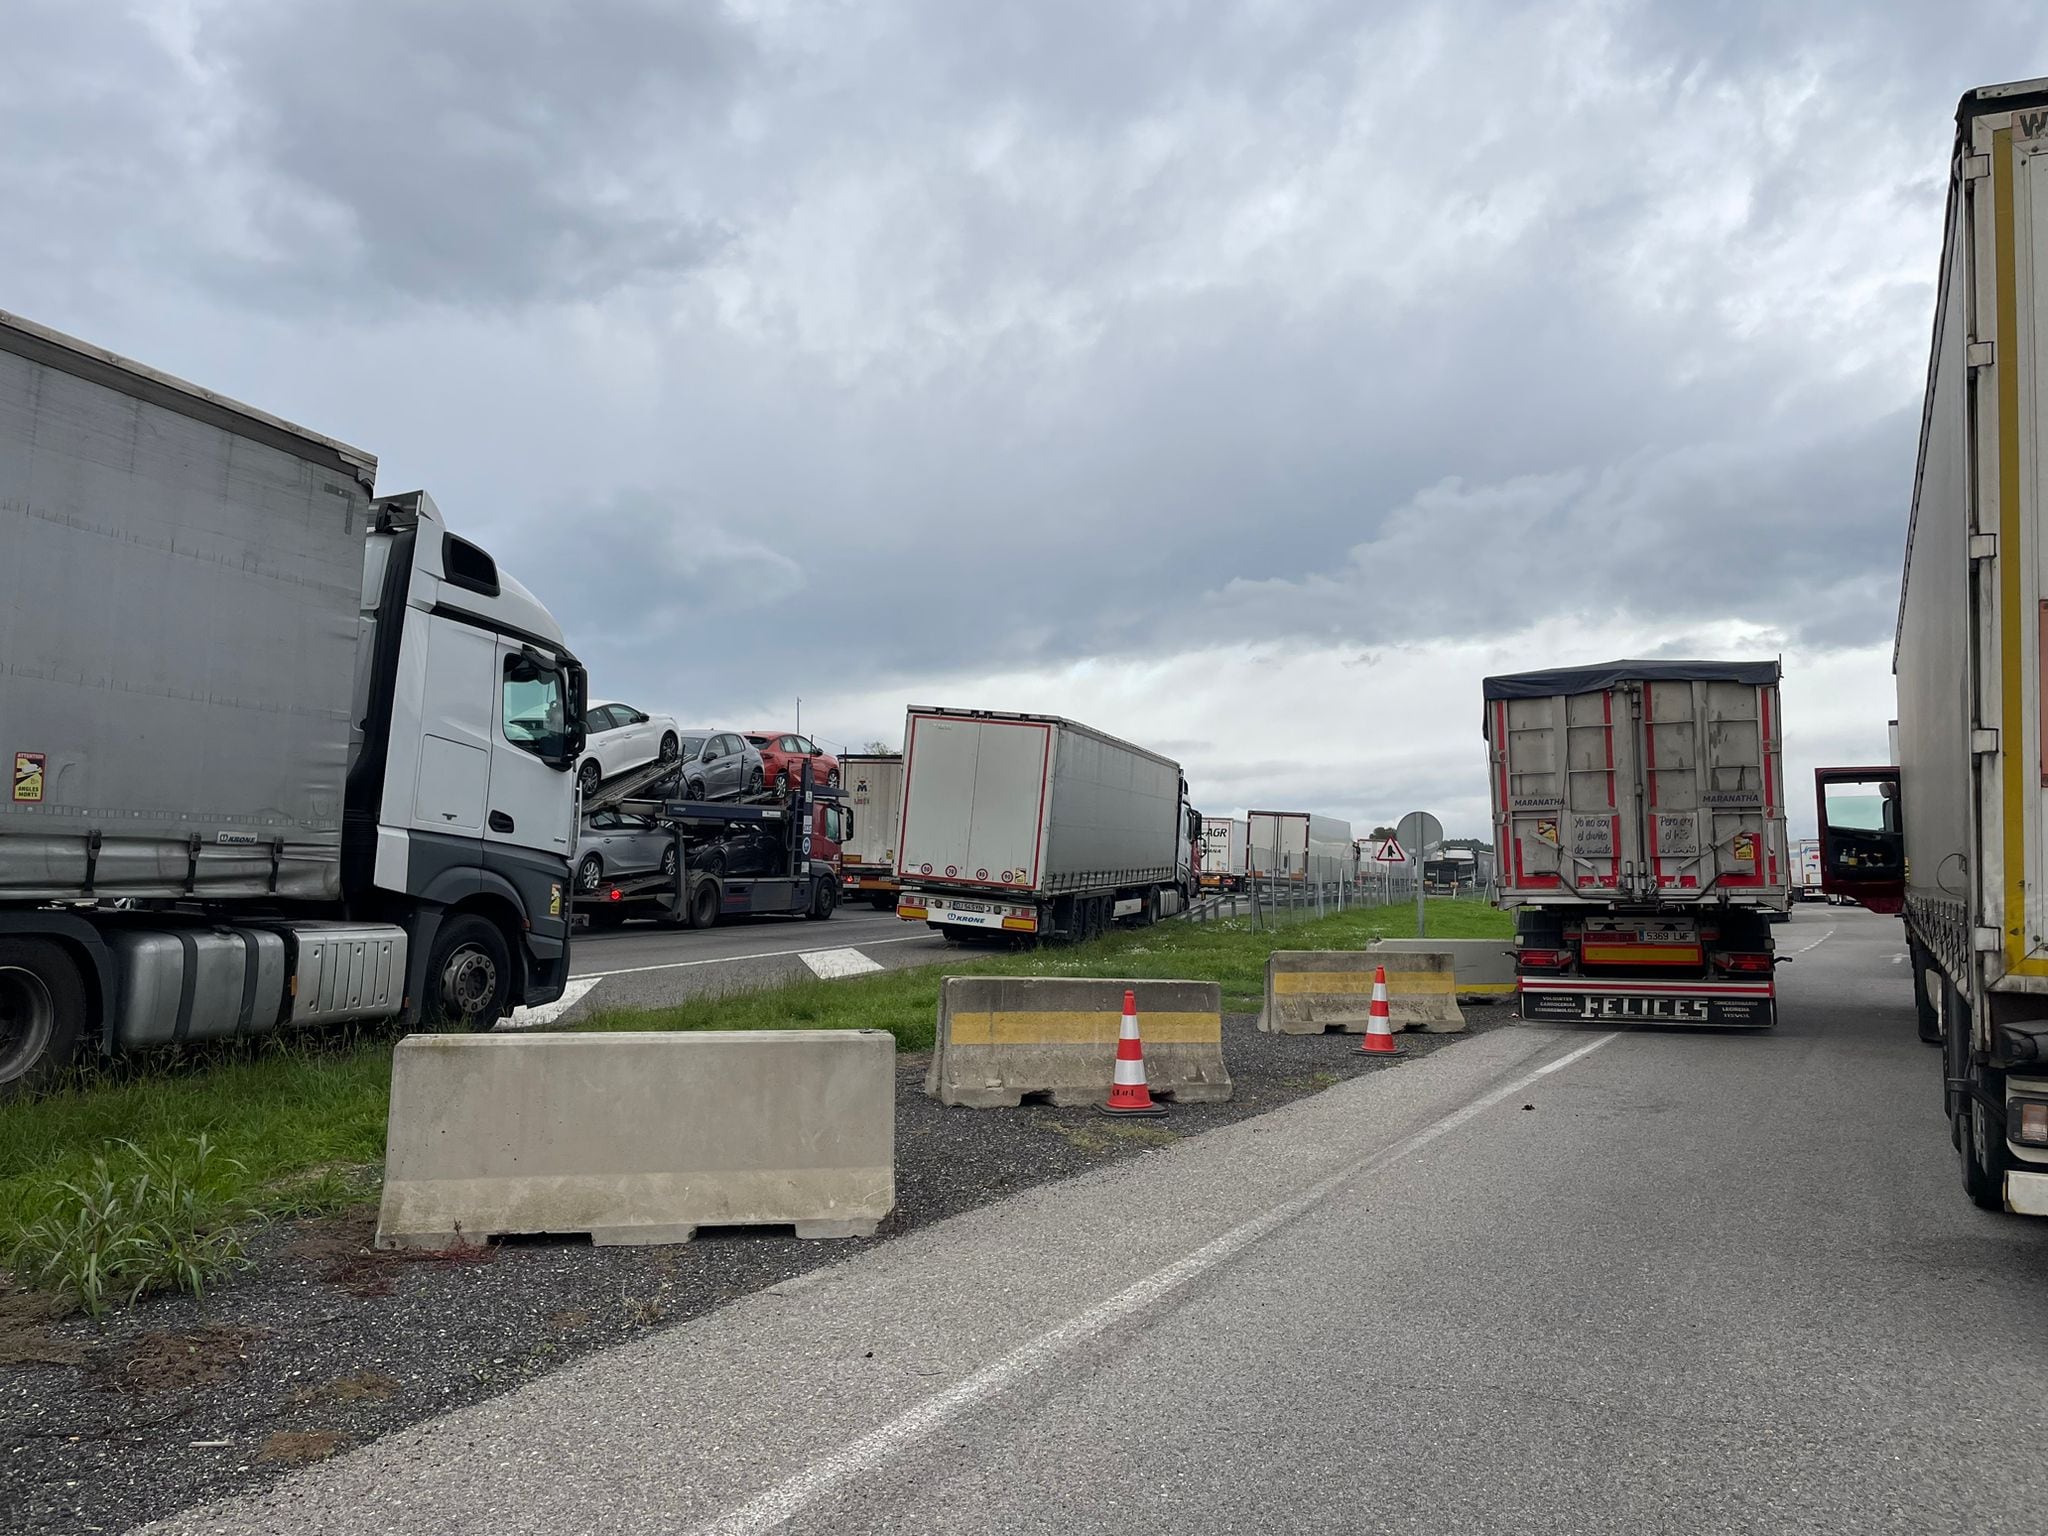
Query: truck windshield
x=1856, y=808
x=535, y=719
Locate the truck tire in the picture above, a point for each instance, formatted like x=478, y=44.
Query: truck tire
x=469, y=975
x=42, y=1012
x=704, y=905
x=825, y=902
x=1927, y=1018
x=883, y=901
x=1983, y=1158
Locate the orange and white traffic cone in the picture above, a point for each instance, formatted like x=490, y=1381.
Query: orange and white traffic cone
x=1128, y=1094
x=1379, y=1027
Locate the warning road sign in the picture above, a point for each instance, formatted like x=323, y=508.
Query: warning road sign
x=1390, y=853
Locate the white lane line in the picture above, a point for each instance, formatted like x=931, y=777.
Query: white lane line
x=833, y=964
x=573, y=992
x=1815, y=944
x=786, y=1499
x=767, y=954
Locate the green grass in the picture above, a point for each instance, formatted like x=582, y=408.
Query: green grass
x=906, y=1003
x=295, y=1127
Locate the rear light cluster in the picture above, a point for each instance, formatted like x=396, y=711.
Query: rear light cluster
x=2027, y=1122
x=1745, y=964
x=1542, y=959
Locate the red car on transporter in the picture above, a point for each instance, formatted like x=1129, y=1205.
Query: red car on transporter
x=783, y=754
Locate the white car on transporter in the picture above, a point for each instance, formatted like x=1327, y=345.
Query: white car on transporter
x=619, y=737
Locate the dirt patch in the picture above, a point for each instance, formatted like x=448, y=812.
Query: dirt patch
x=25, y=1336
x=570, y=1319
x=168, y=1362
x=342, y=1249
x=1100, y=1138
x=296, y=1447
x=358, y=1387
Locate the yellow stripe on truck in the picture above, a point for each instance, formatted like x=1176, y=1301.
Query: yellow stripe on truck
x=1081, y=1028
x=1326, y=983
x=2016, y=757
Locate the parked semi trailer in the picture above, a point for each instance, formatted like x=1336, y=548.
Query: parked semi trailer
x=1300, y=847
x=1034, y=825
x=874, y=791
x=1223, y=853
x=1955, y=836
x=1639, y=815
x=283, y=751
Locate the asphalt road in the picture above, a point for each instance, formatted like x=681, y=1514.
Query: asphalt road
x=647, y=965
x=1546, y=1280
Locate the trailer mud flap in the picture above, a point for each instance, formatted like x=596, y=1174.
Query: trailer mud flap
x=1600, y=1003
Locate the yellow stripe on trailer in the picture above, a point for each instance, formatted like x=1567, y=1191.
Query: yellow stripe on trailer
x=2013, y=548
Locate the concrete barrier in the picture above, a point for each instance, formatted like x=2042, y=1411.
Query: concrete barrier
x=1311, y=990
x=638, y=1138
x=1001, y=1038
x=1485, y=968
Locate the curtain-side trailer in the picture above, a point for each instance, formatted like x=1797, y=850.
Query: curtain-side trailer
x=874, y=790
x=283, y=751
x=1955, y=836
x=1639, y=818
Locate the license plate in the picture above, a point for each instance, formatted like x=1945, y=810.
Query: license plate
x=1595, y=1007
x=971, y=906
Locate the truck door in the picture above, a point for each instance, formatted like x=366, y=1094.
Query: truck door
x=1862, y=838
x=531, y=803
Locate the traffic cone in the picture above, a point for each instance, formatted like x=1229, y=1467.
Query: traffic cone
x=1128, y=1094
x=1379, y=1028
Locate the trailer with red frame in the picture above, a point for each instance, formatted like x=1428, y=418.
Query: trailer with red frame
x=1639, y=814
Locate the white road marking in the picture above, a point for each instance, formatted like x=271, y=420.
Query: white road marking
x=832, y=964
x=786, y=1499
x=577, y=988
x=770, y=954
x=1813, y=944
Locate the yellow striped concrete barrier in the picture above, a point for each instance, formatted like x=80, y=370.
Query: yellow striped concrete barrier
x=1485, y=968
x=1003, y=1039
x=1312, y=990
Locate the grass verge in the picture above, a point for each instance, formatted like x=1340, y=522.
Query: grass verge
x=157, y=1163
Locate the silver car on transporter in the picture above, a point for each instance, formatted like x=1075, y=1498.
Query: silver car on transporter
x=615, y=845
x=720, y=765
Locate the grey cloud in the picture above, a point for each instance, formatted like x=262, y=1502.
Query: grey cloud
x=477, y=152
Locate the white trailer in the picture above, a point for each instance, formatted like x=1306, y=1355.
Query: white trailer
x=873, y=782
x=1300, y=848
x=1639, y=814
x=1223, y=852
x=282, y=751
x=1034, y=825
x=1955, y=835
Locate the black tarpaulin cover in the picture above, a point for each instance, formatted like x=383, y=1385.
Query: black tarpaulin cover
x=1595, y=679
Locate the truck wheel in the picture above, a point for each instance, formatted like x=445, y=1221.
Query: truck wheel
x=883, y=901
x=1983, y=1158
x=42, y=1011
x=704, y=905
x=825, y=902
x=1927, y=1016
x=590, y=873
x=469, y=977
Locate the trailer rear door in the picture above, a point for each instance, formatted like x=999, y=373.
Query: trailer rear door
x=1564, y=793
x=974, y=794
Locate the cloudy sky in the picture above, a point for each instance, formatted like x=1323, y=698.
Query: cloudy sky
x=1247, y=379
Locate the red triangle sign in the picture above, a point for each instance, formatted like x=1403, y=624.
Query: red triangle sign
x=1390, y=853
